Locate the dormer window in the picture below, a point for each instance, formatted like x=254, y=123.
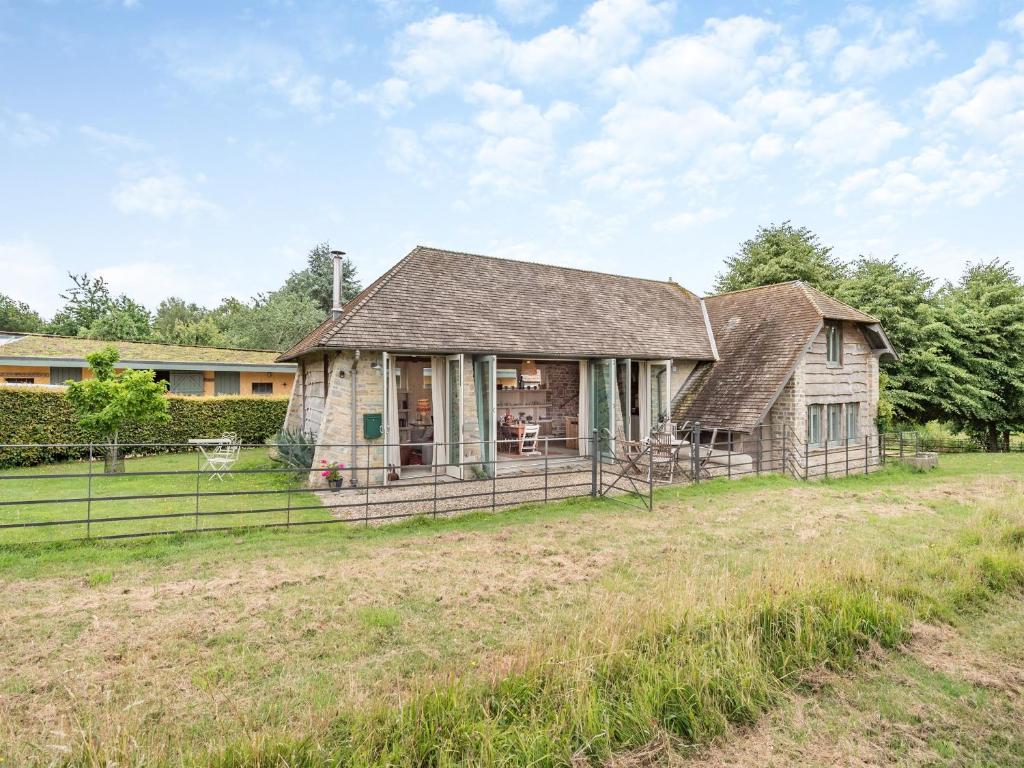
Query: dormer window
x=833, y=344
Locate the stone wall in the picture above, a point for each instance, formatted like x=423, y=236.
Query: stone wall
x=563, y=383
x=335, y=427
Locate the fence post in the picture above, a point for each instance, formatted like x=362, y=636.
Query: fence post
x=366, y=485
x=760, y=447
x=728, y=457
x=694, y=452
x=494, y=482
x=88, y=507
x=433, y=466
x=917, y=444
x=847, y=443
x=546, y=450
x=593, y=464
x=867, y=453
x=882, y=449
x=650, y=478
x=785, y=464
x=901, y=445
x=288, y=518
x=826, y=457
x=807, y=459
x=197, y=488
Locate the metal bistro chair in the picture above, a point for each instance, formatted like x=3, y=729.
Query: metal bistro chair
x=223, y=458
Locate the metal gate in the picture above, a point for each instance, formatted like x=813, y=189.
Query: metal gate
x=623, y=473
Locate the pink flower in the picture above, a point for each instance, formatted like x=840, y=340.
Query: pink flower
x=325, y=474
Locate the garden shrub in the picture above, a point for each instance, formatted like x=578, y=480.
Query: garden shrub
x=34, y=416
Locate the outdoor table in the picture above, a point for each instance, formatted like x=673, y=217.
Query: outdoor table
x=204, y=443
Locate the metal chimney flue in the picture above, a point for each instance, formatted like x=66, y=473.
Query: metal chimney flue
x=336, y=301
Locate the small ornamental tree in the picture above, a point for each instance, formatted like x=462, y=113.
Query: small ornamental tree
x=110, y=401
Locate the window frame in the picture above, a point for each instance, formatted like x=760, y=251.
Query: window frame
x=849, y=409
x=834, y=327
x=19, y=380
x=819, y=409
x=834, y=408
x=254, y=384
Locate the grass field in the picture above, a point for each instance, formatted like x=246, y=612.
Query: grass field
x=865, y=621
x=174, y=511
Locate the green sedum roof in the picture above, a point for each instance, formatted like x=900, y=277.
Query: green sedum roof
x=31, y=345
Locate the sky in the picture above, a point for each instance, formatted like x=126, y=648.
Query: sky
x=200, y=149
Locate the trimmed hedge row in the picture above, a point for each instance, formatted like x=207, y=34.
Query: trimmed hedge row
x=31, y=415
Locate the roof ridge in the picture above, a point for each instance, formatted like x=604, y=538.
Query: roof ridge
x=554, y=266
x=752, y=288
x=810, y=291
x=134, y=341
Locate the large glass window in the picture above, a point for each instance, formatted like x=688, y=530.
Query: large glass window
x=852, y=421
x=455, y=410
x=834, y=422
x=60, y=375
x=659, y=394
x=814, y=425
x=833, y=343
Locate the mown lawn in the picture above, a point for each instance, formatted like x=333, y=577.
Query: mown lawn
x=577, y=633
x=46, y=494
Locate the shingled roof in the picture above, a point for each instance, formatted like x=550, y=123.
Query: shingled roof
x=761, y=334
x=444, y=301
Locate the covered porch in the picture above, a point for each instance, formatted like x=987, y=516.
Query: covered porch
x=470, y=416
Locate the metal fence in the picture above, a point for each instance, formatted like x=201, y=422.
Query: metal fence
x=178, y=490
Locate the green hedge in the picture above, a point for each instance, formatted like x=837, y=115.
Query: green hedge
x=36, y=415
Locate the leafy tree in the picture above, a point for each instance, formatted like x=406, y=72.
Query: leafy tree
x=274, y=321
x=174, y=313
x=777, y=254
x=316, y=281
x=985, y=309
x=124, y=320
x=86, y=301
x=203, y=333
x=903, y=299
x=18, y=316
x=112, y=400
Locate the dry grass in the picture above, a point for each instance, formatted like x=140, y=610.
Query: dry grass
x=279, y=635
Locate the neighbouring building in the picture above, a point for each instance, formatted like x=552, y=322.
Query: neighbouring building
x=31, y=358
x=430, y=364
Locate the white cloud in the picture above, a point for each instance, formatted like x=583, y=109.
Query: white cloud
x=726, y=57
x=448, y=50
x=387, y=97
x=525, y=11
x=25, y=130
x=30, y=274
x=934, y=175
x=113, y=141
x=162, y=195
x=985, y=101
x=849, y=129
x=518, y=143
x=822, y=40
x=261, y=67
x=882, y=54
x=689, y=219
x=1015, y=24
x=607, y=33
x=946, y=10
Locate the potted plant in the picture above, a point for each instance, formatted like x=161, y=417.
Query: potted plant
x=331, y=472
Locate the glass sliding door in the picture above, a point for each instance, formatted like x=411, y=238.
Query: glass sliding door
x=623, y=387
x=485, y=381
x=602, y=403
x=453, y=429
x=659, y=394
